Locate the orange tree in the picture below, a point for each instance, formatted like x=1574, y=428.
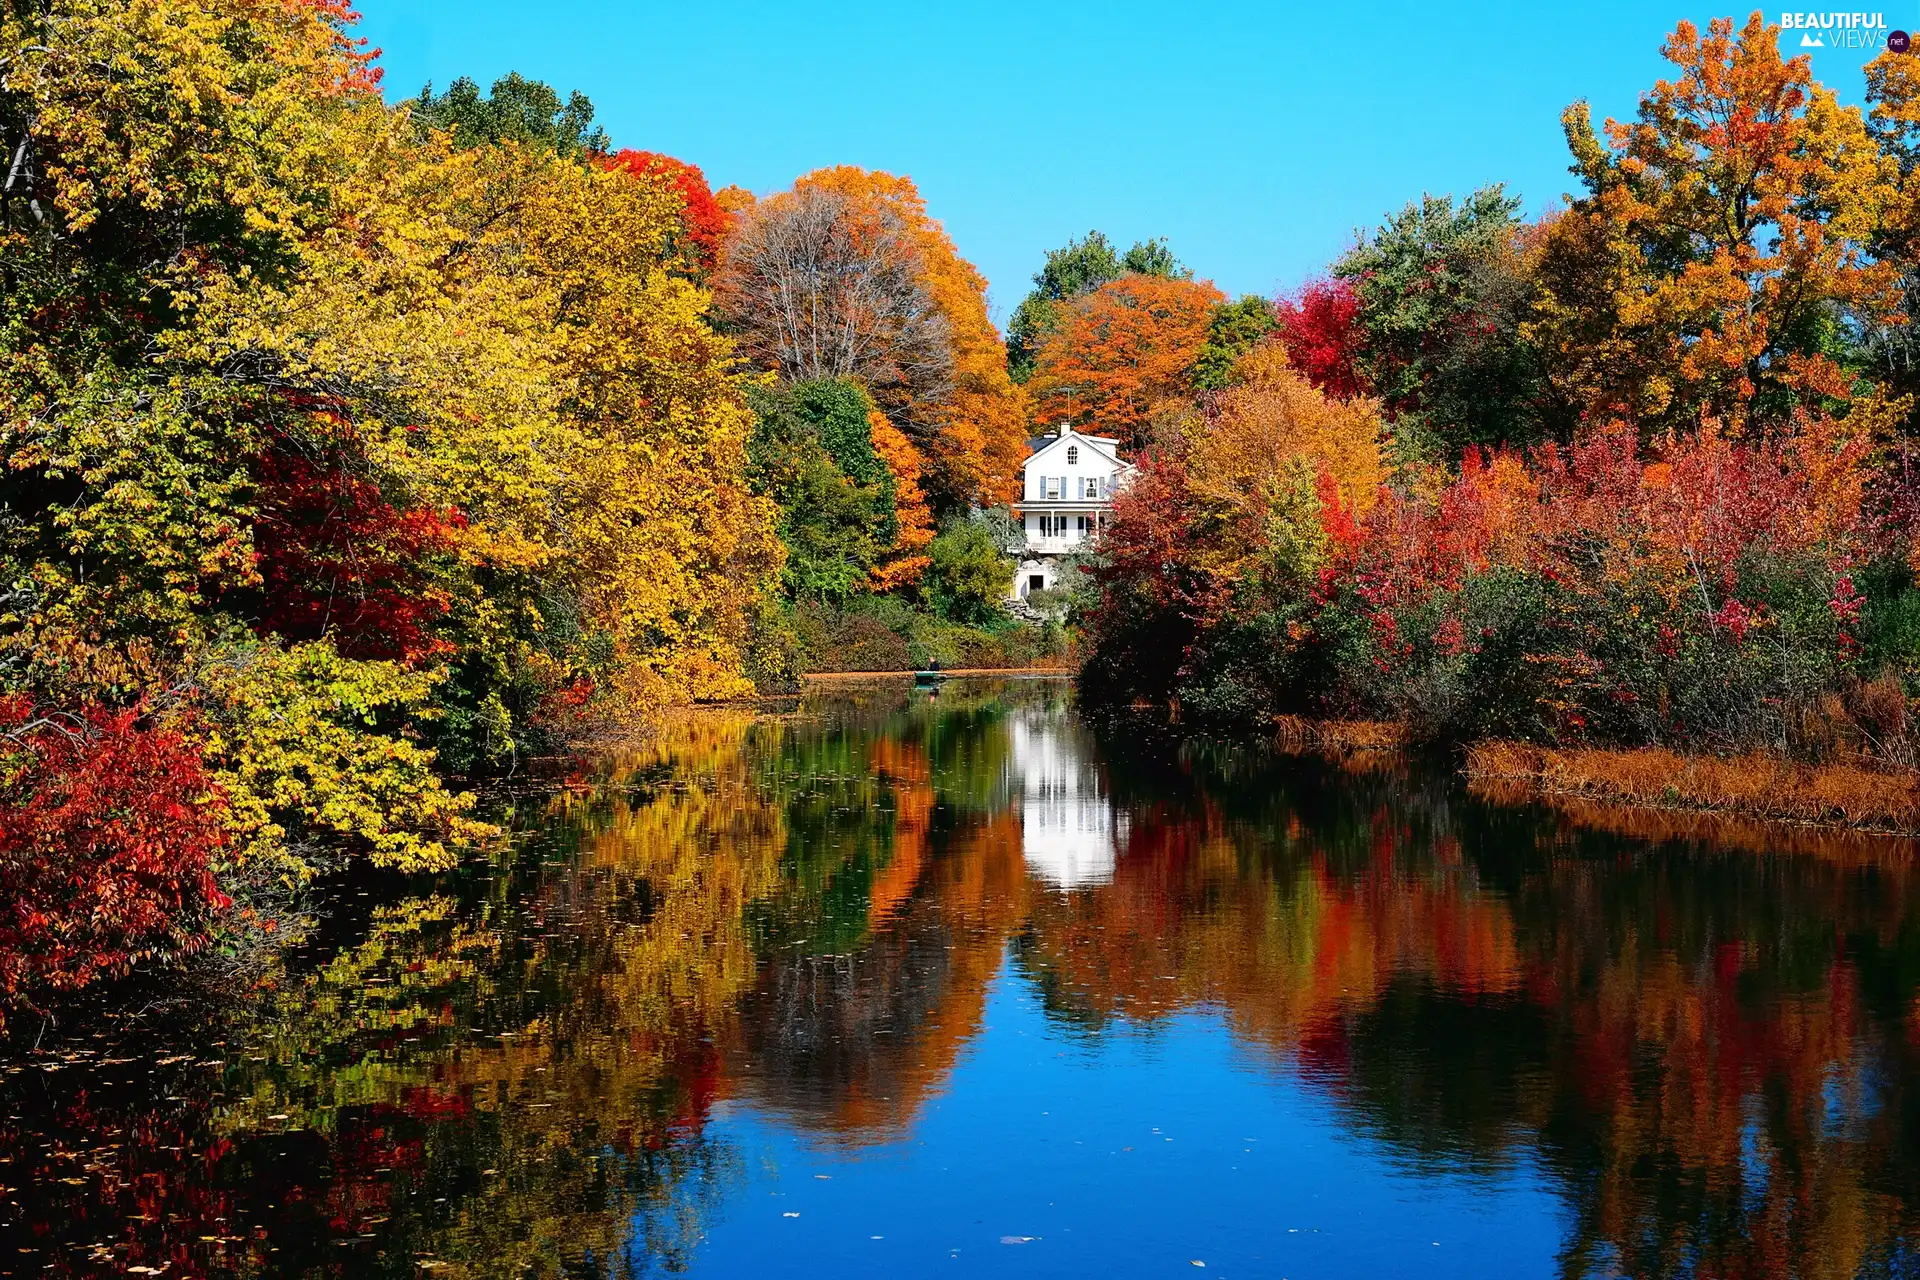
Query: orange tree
x=1723, y=245
x=1122, y=352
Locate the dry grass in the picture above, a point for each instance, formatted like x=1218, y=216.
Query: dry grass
x=1297, y=733
x=1757, y=785
x=1853, y=846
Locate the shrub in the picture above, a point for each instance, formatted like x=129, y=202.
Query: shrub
x=109, y=829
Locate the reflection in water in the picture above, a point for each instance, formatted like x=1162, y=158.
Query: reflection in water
x=566, y=1061
x=1068, y=829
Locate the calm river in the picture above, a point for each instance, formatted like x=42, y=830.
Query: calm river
x=898, y=985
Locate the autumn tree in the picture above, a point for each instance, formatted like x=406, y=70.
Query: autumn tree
x=816, y=286
x=974, y=443
x=1076, y=268
x=1724, y=244
x=1318, y=324
x=846, y=276
x=705, y=223
x=1121, y=352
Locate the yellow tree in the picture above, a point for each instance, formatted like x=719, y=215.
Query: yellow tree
x=1272, y=450
x=1724, y=238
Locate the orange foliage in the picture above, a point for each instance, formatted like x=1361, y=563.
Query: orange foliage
x=1775, y=194
x=1272, y=418
x=982, y=438
x=913, y=520
x=1122, y=352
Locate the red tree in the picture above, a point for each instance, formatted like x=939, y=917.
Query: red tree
x=1317, y=327
x=706, y=222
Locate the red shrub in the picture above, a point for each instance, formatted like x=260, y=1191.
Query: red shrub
x=108, y=830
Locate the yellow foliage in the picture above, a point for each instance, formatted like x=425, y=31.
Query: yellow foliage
x=1272, y=416
x=512, y=344
x=307, y=744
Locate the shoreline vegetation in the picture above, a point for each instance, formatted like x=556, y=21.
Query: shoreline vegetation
x=1841, y=795
x=1621, y=501
x=1865, y=797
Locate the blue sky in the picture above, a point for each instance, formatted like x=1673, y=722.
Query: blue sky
x=1256, y=137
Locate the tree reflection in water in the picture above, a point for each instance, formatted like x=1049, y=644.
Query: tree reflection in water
x=1705, y=1043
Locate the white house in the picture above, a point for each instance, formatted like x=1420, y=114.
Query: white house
x=1066, y=495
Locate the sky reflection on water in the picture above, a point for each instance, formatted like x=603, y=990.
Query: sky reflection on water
x=968, y=987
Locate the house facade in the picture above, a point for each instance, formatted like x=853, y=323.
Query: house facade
x=1066, y=497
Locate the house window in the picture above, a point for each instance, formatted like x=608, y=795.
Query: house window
x=1082, y=526
x=1036, y=582
x=1053, y=489
x=1073, y=455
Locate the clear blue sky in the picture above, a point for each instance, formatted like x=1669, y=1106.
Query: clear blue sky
x=1255, y=137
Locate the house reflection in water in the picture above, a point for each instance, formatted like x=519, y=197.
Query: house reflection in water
x=1068, y=825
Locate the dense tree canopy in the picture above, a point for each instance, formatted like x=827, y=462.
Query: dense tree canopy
x=1078, y=267
x=1122, y=352
x=1640, y=472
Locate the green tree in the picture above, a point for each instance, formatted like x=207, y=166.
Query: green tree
x=1235, y=329
x=812, y=453
x=970, y=572
x=516, y=110
x=1443, y=293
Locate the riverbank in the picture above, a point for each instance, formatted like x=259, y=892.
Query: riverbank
x=828, y=677
x=1754, y=785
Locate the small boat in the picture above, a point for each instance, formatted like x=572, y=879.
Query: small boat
x=932, y=675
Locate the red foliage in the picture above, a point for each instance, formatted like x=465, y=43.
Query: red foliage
x=108, y=829
x=706, y=222
x=1149, y=545
x=1317, y=327
x=338, y=559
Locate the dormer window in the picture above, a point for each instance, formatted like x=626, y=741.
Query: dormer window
x=1073, y=455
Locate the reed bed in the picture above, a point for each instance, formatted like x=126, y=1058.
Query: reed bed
x=1851, y=795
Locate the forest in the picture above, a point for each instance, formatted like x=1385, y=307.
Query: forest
x=358, y=448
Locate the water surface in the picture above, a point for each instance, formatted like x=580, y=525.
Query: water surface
x=899, y=985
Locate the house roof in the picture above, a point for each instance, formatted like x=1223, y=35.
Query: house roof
x=1107, y=445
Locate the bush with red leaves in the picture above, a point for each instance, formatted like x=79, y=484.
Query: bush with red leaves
x=108, y=831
